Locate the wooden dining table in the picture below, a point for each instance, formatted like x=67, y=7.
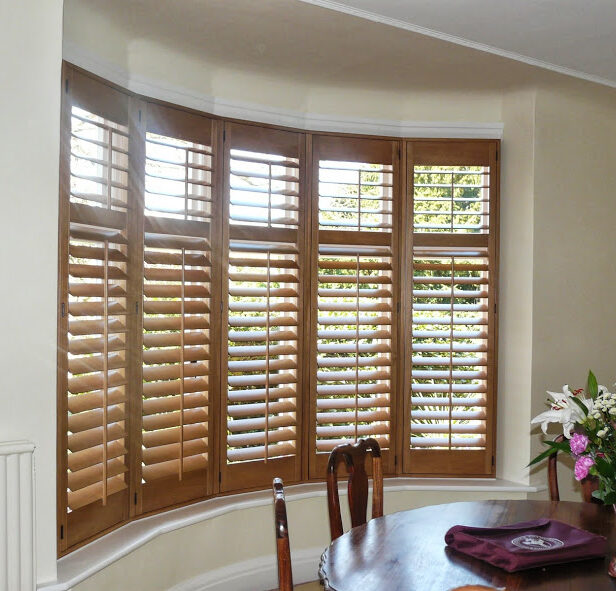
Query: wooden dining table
x=406, y=551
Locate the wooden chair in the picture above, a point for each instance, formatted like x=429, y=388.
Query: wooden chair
x=283, y=550
x=354, y=456
x=588, y=484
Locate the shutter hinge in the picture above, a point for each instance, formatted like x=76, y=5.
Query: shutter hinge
x=398, y=307
x=224, y=134
x=221, y=307
x=494, y=307
x=493, y=461
x=66, y=85
x=61, y=532
x=496, y=155
x=395, y=460
x=136, y=307
x=219, y=477
x=62, y=309
x=139, y=115
x=135, y=499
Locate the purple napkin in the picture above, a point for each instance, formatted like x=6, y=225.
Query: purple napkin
x=527, y=545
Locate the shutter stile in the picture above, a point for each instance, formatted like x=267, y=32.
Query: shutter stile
x=177, y=277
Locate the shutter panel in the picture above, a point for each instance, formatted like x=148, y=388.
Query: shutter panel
x=263, y=312
x=93, y=336
x=355, y=296
x=452, y=297
x=177, y=286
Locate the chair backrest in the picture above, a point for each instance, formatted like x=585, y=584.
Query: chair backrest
x=588, y=484
x=283, y=550
x=354, y=456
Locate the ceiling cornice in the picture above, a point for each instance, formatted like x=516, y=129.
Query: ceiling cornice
x=164, y=91
x=392, y=22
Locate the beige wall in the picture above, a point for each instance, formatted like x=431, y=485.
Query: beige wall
x=244, y=535
x=31, y=46
x=574, y=270
x=515, y=344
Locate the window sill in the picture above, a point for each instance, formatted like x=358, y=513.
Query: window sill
x=90, y=559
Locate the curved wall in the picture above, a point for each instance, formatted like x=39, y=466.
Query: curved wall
x=236, y=550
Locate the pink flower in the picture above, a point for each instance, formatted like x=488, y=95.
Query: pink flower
x=582, y=466
x=578, y=444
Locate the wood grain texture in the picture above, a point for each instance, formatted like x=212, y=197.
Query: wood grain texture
x=285, y=573
x=407, y=551
x=354, y=457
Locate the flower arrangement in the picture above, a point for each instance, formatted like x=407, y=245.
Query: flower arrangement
x=588, y=419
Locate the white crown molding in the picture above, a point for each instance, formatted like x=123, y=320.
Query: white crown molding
x=399, y=24
x=263, y=114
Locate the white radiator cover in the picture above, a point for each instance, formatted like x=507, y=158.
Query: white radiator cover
x=17, y=560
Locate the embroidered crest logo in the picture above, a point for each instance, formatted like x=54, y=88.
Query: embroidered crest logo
x=537, y=543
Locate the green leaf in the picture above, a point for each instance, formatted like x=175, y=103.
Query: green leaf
x=554, y=446
x=558, y=445
x=598, y=494
x=592, y=388
x=610, y=498
x=540, y=457
x=580, y=404
x=605, y=469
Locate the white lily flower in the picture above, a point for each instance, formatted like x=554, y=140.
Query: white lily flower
x=563, y=411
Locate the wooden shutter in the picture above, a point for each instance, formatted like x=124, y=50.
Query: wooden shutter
x=263, y=310
x=177, y=298
x=452, y=223
x=93, y=380
x=354, y=266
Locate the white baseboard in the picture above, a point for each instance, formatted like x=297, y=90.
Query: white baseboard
x=257, y=574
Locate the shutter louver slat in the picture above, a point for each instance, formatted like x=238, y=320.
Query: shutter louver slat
x=456, y=308
x=176, y=318
x=263, y=304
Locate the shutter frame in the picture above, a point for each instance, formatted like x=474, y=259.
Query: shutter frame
x=84, y=477
x=244, y=242
x=335, y=247
x=177, y=444
x=440, y=462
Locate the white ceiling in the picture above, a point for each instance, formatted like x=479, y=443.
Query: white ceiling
x=575, y=37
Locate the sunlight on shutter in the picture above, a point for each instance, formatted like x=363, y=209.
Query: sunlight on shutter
x=176, y=314
x=97, y=393
x=263, y=308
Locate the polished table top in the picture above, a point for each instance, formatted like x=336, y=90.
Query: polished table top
x=406, y=550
